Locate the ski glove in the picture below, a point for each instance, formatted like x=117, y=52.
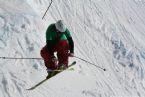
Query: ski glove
x=54, y=59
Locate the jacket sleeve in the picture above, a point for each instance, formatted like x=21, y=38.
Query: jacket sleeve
x=49, y=41
x=70, y=40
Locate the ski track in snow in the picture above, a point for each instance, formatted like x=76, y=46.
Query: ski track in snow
x=108, y=33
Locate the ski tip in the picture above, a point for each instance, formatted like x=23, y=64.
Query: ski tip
x=30, y=89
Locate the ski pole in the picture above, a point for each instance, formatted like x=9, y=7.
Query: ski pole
x=19, y=58
x=90, y=63
x=47, y=10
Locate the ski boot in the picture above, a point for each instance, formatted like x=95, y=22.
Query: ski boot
x=51, y=73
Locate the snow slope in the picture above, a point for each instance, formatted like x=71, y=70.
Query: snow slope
x=108, y=33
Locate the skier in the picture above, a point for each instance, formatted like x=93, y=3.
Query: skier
x=59, y=40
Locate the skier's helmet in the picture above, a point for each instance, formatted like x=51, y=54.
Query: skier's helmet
x=60, y=26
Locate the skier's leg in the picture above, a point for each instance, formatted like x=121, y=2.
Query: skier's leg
x=49, y=63
x=62, y=53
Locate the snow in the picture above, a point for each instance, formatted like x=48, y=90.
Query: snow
x=108, y=33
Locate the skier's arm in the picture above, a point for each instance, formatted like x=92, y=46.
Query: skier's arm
x=70, y=40
x=49, y=41
x=71, y=44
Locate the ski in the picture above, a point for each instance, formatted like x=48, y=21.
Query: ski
x=33, y=87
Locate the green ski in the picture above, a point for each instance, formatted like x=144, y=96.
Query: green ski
x=59, y=71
